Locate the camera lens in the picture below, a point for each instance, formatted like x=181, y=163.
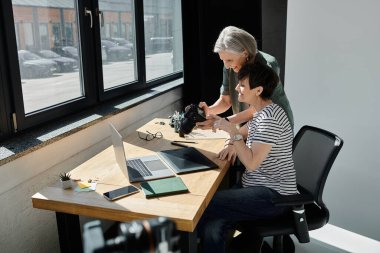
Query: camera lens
x=192, y=115
x=186, y=126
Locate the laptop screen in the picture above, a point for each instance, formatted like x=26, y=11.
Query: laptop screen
x=117, y=142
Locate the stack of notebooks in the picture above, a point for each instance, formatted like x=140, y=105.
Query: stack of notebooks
x=163, y=187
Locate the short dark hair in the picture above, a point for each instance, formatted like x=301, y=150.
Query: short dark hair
x=260, y=74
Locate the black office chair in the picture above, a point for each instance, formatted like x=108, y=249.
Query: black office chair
x=314, y=152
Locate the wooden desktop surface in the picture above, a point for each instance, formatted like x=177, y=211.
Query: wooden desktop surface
x=185, y=209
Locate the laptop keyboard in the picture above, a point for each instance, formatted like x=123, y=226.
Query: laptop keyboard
x=137, y=168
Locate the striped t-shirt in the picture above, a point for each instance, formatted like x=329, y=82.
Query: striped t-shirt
x=271, y=125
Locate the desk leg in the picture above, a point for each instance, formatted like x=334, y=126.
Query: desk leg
x=188, y=242
x=70, y=238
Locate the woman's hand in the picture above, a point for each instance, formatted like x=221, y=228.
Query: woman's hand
x=225, y=125
x=229, y=153
x=208, y=123
x=205, y=107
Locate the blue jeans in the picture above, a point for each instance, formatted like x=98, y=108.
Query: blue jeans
x=230, y=206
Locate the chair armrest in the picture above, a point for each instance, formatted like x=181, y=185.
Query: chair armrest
x=293, y=200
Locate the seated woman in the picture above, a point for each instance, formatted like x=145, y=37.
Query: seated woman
x=266, y=155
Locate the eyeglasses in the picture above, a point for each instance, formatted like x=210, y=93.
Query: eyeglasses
x=150, y=136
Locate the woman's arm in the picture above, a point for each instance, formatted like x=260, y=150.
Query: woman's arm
x=228, y=152
x=250, y=157
x=243, y=116
x=221, y=105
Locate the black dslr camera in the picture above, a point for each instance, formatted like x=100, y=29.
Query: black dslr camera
x=143, y=236
x=193, y=114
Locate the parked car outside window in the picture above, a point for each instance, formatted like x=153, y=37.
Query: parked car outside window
x=64, y=64
x=161, y=44
x=122, y=42
x=69, y=51
x=34, y=66
x=115, y=52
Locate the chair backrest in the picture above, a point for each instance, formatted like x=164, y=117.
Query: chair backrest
x=314, y=152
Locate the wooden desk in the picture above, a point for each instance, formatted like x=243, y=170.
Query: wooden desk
x=184, y=209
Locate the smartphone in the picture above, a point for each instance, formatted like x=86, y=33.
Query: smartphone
x=121, y=192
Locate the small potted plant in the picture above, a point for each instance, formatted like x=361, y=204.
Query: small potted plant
x=65, y=180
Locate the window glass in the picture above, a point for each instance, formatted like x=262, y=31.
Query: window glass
x=163, y=37
x=27, y=30
x=69, y=40
x=55, y=77
x=44, y=38
x=118, y=46
x=50, y=71
x=56, y=29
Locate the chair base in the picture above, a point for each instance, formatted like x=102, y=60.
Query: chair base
x=255, y=244
x=283, y=244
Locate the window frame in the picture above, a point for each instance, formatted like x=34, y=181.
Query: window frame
x=11, y=90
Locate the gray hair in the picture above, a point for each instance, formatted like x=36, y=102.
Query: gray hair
x=236, y=40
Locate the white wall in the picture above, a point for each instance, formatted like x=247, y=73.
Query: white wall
x=332, y=81
x=26, y=229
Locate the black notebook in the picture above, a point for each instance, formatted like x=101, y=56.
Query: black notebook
x=186, y=160
x=163, y=187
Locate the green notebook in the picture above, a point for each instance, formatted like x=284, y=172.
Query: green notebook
x=163, y=187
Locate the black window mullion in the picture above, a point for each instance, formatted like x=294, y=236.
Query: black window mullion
x=5, y=119
x=14, y=101
x=140, y=41
x=89, y=58
x=98, y=51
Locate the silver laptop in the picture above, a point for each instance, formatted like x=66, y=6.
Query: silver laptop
x=140, y=168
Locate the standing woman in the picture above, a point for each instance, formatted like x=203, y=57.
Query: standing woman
x=266, y=156
x=235, y=48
